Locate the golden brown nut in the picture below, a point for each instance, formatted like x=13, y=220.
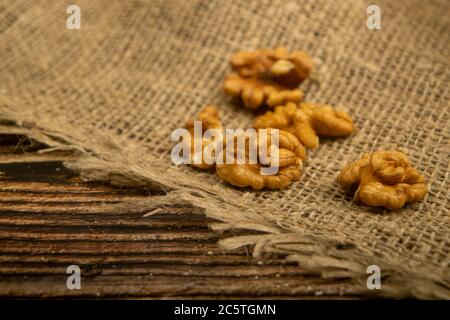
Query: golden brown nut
x=307, y=121
x=385, y=178
x=254, y=92
x=209, y=117
x=292, y=69
x=268, y=76
x=290, y=156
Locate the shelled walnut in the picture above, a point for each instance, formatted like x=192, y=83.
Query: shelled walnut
x=268, y=76
x=307, y=121
x=384, y=178
x=290, y=155
x=209, y=118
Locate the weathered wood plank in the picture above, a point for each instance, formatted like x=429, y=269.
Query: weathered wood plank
x=50, y=219
x=157, y=286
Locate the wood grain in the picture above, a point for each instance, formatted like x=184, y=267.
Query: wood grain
x=50, y=219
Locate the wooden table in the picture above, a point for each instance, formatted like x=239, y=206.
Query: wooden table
x=50, y=219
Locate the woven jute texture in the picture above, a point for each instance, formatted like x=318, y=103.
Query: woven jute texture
x=115, y=90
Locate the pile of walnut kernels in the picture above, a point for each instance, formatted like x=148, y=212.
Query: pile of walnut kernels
x=270, y=78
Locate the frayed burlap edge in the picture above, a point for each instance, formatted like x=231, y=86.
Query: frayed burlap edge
x=104, y=158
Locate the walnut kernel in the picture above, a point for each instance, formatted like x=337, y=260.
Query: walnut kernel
x=290, y=156
x=307, y=121
x=268, y=76
x=384, y=178
x=209, y=117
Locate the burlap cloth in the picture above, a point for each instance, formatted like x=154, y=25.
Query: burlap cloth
x=114, y=91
